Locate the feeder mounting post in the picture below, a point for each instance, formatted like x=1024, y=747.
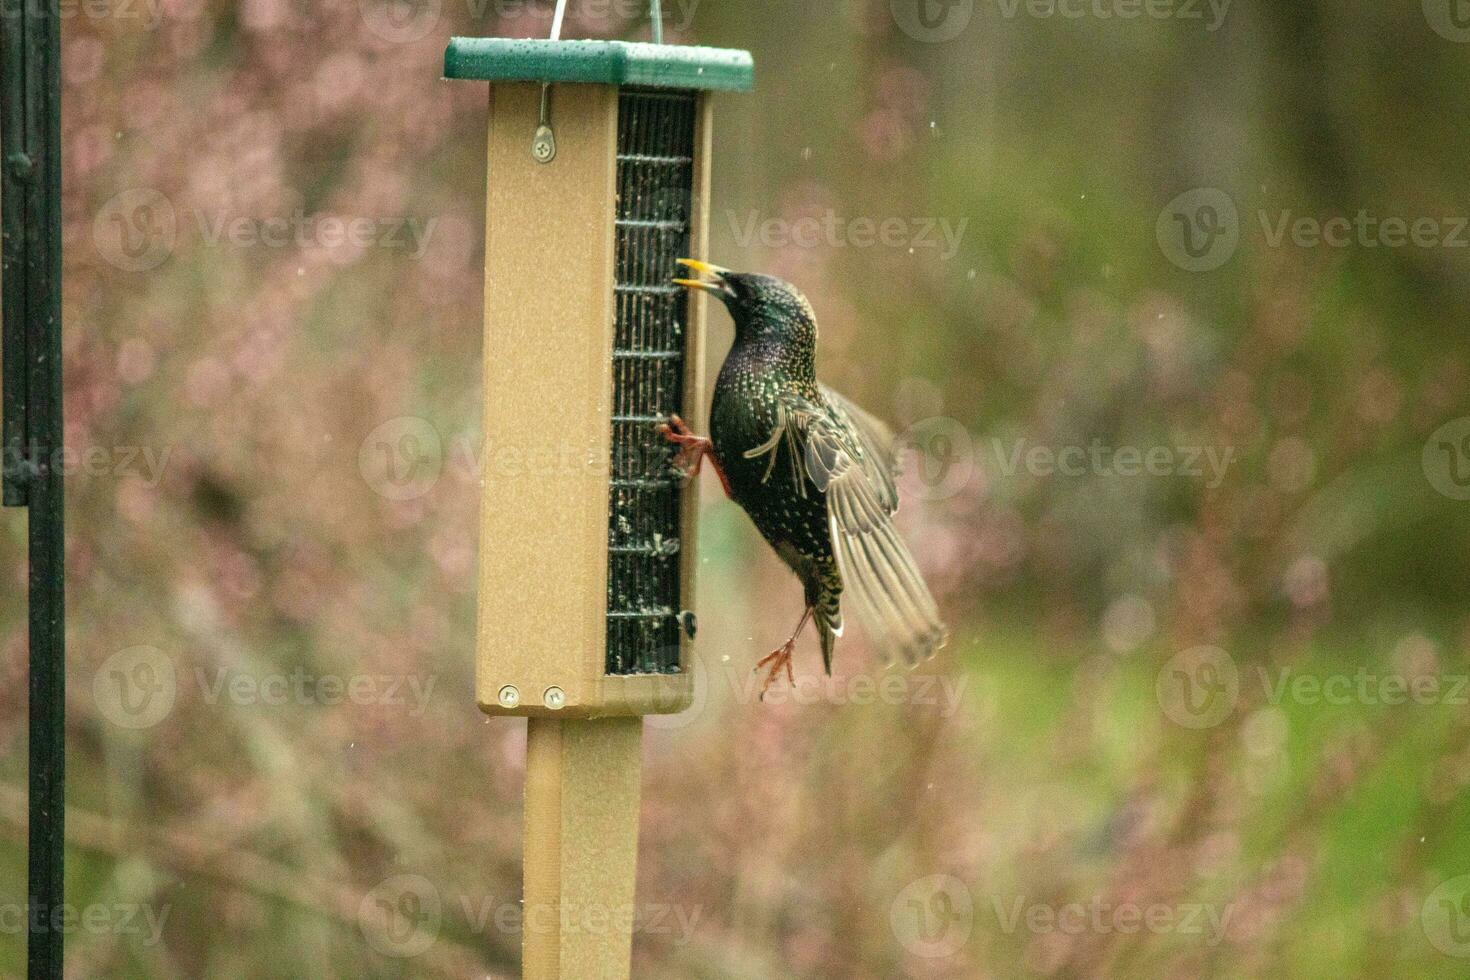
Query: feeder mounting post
x=30, y=334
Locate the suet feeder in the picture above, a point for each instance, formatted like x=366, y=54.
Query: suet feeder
x=598, y=175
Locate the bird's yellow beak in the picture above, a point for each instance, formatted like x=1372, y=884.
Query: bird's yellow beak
x=714, y=272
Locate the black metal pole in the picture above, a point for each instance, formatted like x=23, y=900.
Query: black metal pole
x=30, y=227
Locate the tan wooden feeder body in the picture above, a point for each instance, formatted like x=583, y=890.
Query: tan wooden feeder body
x=598, y=174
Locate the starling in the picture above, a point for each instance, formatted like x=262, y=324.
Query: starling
x=816, y=474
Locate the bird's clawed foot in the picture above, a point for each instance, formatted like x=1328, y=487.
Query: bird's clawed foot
x=778, y=659
x=781, y=657
x=692, y=449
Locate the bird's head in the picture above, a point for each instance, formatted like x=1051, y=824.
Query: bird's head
x=763, y=307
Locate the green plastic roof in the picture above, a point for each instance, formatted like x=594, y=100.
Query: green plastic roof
x=503, y=59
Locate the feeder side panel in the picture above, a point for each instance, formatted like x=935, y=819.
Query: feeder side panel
x=548, y=343
x=696, y=400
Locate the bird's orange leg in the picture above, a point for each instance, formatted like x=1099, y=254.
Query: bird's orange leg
x=692, y=450
x=781, y=657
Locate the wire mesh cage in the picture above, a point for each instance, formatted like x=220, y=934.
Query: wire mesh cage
x=598, y=163
x=655, y=199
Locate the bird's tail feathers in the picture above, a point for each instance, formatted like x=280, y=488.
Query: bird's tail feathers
x=827, y=612
x=893, y=603
x=828, y=636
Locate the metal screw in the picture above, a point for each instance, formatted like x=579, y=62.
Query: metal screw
x=543, y=147
x=509, y=696
x=555, y=698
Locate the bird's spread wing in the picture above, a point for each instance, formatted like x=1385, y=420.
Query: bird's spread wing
x=848, y=455
x=880, y=449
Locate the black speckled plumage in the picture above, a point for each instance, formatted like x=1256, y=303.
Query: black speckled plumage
x=815, y=473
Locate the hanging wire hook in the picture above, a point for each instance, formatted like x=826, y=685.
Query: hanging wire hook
x=543, y=144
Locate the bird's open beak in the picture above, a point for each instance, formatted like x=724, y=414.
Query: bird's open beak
x=714, y=281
